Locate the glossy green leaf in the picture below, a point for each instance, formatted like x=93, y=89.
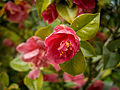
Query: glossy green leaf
x=76, y=65
x=110, y=59
x=86, y=25
x=43, y=32
x=35, y=84
x=4, y=79
x=70, y=84
x=18, y=65
x=42, y=5
x=67, y=13
x=87, y=49
x=114, y=45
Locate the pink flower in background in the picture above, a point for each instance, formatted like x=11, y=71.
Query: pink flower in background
x=78, y=79
x=62, y=44
x=51, y=78
x=114, y=88
x=8, y=42
x=101, y=36
x=17, y=13
x=50, y=14
x=33, y=51
x=98, y=85
x=34, y=74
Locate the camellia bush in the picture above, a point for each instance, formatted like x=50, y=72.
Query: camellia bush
x=59, y=44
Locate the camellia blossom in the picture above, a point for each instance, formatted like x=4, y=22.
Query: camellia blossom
x=98, y=85
x=51, y=78
x=17, y=13
x=62, y=44
x=78, y=79
x=50, y=14
x=33, y=52
x=85, y=4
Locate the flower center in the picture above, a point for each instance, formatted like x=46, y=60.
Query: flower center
x=65, y=49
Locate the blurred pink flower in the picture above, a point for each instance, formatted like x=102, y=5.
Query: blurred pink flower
x=98, y=85
x=8, y=42
x=51, y=78
x=50, y=14
x=34, y=74
x=17, y=13
x=114, y=88
x=62, y=44
x=33, y=51
x=78, y=79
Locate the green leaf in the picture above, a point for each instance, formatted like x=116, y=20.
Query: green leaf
x=86, y=25
x=67, y=13
x=110, y=59
x=18, y=65
x=35, y=84
x=42, y=5
x=4, y=79
x=70, y=84
x=87, y=49
x=114, y=45
x=43, y=32
x=76, y=65
x=14, y=86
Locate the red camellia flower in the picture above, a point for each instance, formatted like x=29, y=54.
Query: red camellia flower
x=78, y=79
x=51, y=78
x=85, y=4
x=17, y=13
x=62, y=44
x=98, y=85
x=50, y=14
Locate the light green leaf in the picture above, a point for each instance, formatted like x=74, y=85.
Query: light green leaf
x=87, y=49
x=35, y=84
x=18, y=65
x=14, y=86
x=86, y=25
x=70, y=3
x=42, y=5
x=67, y=13
x=76, y=65
x=43, y=32
x=4, y=79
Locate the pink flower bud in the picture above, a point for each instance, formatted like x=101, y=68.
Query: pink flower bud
x=51, y=78
x=8, y=42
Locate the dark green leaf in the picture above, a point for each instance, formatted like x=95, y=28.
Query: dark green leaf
x=87, y=49
x=35, y=84
x=86, y=25
x=76, y=65
x=110, y=59
x=18, y=65
x=114, y=45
